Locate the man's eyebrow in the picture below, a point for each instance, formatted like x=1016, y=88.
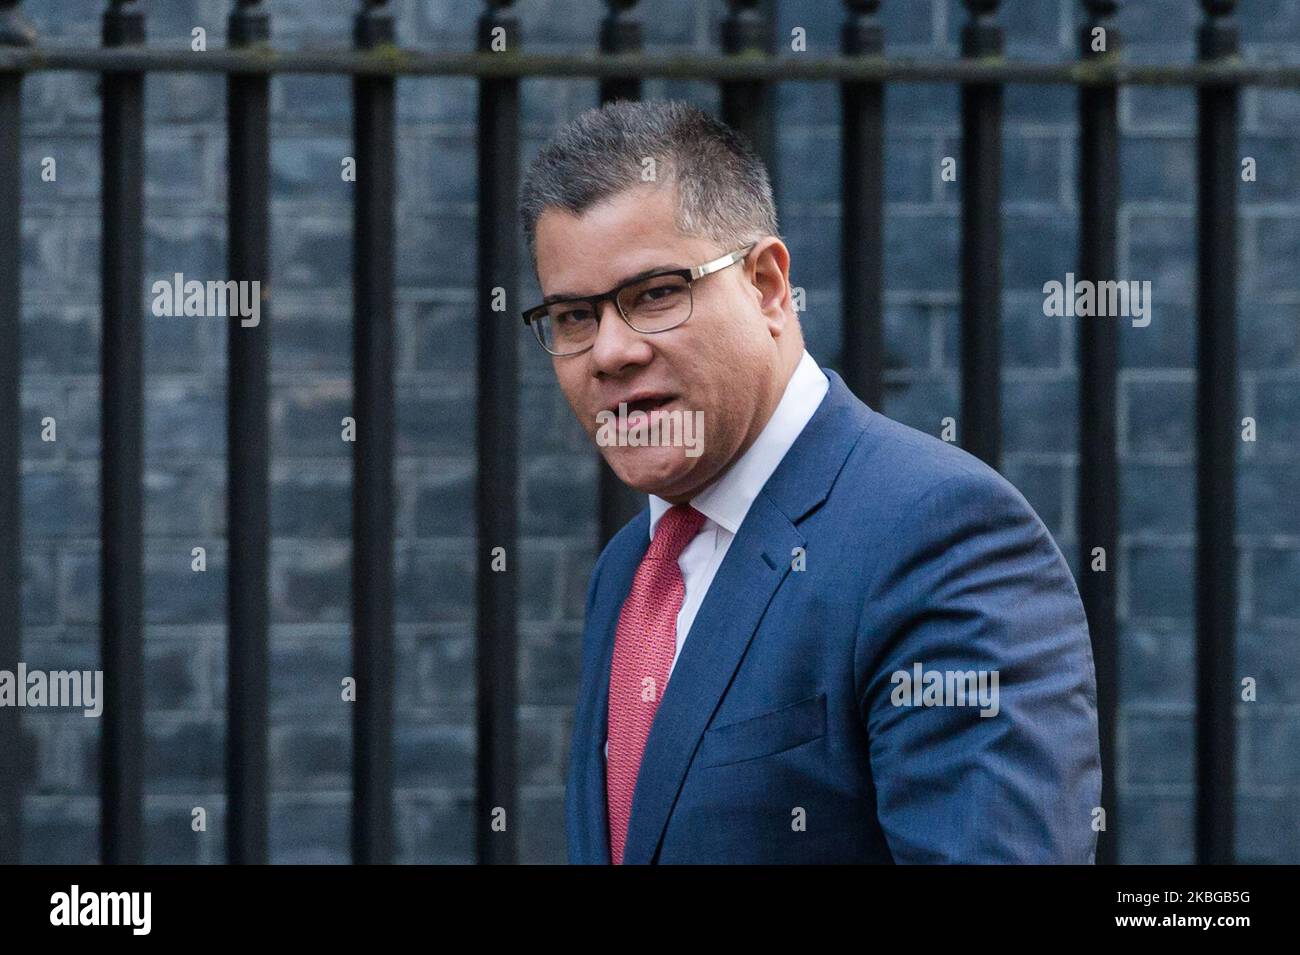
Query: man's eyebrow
x=561, y=296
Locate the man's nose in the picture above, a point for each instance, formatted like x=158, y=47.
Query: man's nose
x=617, y=344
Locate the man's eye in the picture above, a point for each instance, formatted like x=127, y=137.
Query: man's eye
x=570, y=316
x=659, y=294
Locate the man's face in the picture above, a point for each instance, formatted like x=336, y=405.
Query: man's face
x=728, y=360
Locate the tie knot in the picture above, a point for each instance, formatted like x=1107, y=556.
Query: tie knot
x=676, y=528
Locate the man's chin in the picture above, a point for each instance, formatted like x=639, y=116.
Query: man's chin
x=658, y=471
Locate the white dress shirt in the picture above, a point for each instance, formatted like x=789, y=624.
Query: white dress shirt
x=726, y=501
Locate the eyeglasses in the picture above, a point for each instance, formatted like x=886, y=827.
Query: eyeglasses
x=650, y=304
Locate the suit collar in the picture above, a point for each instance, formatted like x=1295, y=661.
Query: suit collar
x=727, y=500
x=805, y=476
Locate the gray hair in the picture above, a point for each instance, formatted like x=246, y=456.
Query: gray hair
x=723, y=191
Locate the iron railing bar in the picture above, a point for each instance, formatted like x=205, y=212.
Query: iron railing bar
x=980, y=176
x=749, y=103
x=497, y=441
x=248, y=454
x=1217, y=443
x=1098, y=494
x=620, y=33
x=14, y=29
x=122, y=448
x=862, y=250
x=699, y=66
x=374, y=239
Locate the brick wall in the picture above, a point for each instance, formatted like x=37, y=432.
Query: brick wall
x=311, y=372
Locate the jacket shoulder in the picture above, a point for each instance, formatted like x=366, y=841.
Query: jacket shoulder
x=902, y=465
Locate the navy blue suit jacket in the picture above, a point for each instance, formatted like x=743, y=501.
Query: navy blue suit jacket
x=783, y=735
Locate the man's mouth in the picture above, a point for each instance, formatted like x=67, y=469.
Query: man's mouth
x=648, y=404
x=645, y=404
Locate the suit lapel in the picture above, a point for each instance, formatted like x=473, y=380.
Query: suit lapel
x=757, y=561
x=748, y=577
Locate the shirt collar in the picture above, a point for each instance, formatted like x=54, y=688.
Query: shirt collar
x=727, y=500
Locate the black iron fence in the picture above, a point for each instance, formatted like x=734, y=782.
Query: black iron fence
x=746, y=69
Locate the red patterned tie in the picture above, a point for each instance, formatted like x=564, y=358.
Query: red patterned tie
x=644, y=645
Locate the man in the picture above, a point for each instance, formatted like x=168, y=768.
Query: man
x=830, y=637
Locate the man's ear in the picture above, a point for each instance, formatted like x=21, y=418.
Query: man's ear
x=769, y=272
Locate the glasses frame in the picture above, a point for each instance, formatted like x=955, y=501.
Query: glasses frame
x=691, y=275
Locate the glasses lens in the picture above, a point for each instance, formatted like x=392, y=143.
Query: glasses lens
x=565, y=327
x=657, y=303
